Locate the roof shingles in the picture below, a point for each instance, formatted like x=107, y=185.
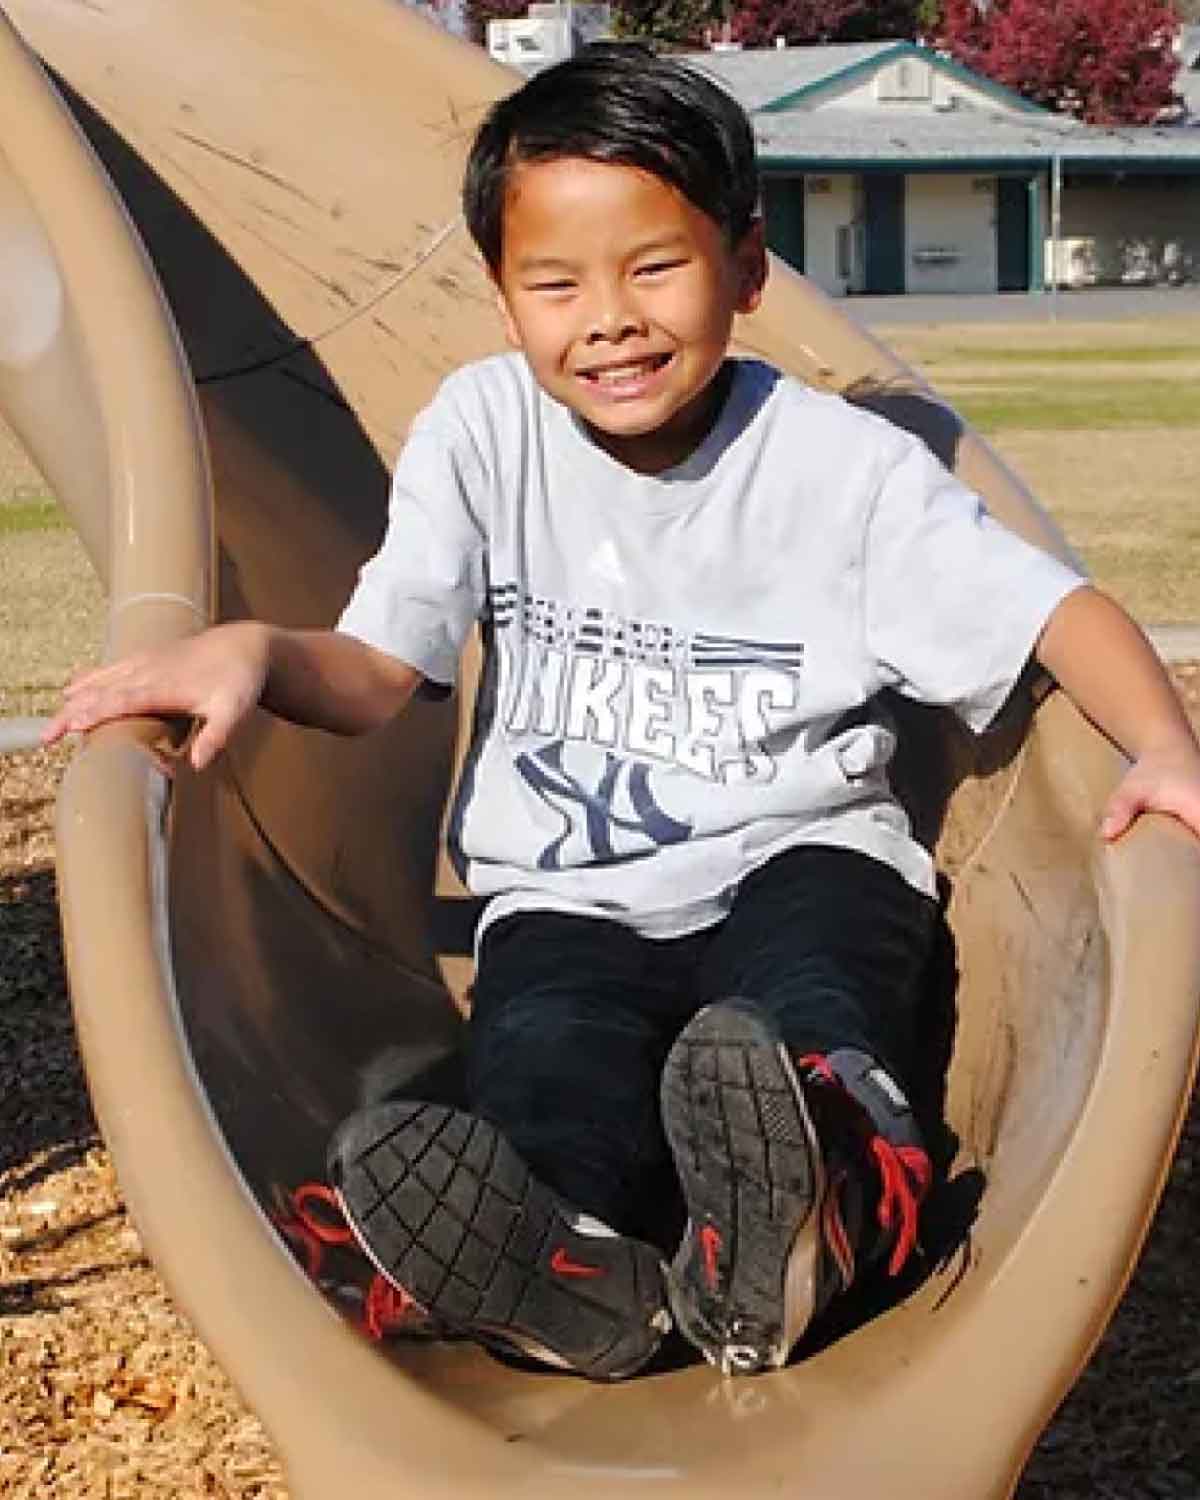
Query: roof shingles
x=922, y=136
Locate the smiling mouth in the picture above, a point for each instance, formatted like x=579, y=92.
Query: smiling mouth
x=629, y=373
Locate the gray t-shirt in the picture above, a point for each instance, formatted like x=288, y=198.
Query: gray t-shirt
x=681, y=669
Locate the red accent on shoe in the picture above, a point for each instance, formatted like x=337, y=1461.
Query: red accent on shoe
x=818, y=1063
x=710, y=1249
x=900, y=1167
x=308, y=1232
x=905, y=1174
x=338, y=1233
x=562, y=1265
x=304, y=1244
x=833, y=1229
x=386, y=1308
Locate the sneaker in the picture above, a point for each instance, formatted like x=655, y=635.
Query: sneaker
x=450, y=1215
x=781, y=1161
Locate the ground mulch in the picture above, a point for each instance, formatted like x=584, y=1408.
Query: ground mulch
x=105, y=1393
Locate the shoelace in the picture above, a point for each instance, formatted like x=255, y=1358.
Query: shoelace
x=898, y=1167
x=386, y=1308
x=905, y=1173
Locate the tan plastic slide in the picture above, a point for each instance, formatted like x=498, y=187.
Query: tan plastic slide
x=258, y=950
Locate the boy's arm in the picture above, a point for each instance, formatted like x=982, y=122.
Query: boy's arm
x=314, y=677
x=1108, y=668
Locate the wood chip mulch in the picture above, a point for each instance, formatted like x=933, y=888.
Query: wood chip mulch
x=105, y=1394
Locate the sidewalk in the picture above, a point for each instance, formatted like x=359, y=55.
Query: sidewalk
x=1089, y=305
x=1176, y=642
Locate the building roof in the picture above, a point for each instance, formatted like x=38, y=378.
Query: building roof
x=779, y=88
x=758, y=76
x=787, y=78
x=858, y=139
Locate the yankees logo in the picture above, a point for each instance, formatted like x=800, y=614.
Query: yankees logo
x=617, y=817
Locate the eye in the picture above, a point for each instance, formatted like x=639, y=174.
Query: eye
x=557, y=285
x=655, y=268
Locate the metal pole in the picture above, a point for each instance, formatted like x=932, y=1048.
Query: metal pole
x=1055, y=229
x=1036, y=248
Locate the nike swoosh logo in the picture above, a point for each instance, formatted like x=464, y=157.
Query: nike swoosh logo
x=710, y=1249
x=562, y=1265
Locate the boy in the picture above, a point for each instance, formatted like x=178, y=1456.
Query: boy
x=708, y=919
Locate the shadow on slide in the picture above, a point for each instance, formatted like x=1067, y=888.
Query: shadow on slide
x=240, y=293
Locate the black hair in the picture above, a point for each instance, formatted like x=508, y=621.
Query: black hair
x=617, y=102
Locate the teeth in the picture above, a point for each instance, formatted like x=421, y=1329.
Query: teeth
x=623, y=374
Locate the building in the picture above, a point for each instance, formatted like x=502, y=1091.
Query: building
x=1188, y=81
x=547, y=33
x=888, y=168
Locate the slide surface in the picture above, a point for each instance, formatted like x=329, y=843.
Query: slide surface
x=231, y=270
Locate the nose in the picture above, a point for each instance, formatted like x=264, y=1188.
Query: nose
x=613, y=316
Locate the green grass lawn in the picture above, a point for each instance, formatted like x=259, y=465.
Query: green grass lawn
x=1073, y=354
x=1101, y=421
x=1040, y=402
x=22, y=511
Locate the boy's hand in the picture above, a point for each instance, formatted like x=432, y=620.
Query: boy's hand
x=1108, y=667
x=216, y=677
x=1165, y=781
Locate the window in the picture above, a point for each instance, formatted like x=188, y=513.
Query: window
x=844, y=252
x=908, y=79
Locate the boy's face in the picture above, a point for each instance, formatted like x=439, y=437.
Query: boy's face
x=621, y=294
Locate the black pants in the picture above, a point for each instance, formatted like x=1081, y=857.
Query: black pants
x=573, y=1017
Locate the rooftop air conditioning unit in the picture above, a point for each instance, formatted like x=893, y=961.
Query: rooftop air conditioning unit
x=529, y=44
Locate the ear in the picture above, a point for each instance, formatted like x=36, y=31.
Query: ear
x=750, y=260
x=511, y=331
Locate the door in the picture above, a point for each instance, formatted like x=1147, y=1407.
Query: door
x=783, y=210
x=1012, y=234
x=883, y=204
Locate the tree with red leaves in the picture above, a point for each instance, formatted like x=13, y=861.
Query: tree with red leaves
x=760, y=23
x=1109, y=62
x=480, y=12
x=754, y=23
x=673, y=23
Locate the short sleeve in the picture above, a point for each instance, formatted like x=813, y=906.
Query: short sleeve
x=418, y=597
x=954, y=602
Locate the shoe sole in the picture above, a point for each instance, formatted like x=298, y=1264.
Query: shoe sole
x=743, y=1283
x=447, y=1210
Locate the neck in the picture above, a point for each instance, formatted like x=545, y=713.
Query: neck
x=656, y=452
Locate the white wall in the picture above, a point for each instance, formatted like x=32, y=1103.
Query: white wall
x=1127, y=232
x=950, y=234
x=926, y=88
x=828, y=204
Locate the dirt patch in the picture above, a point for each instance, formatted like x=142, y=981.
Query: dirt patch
x=945, y=341
x=50, y=617
x=1124, y=495
x=1128, y=502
